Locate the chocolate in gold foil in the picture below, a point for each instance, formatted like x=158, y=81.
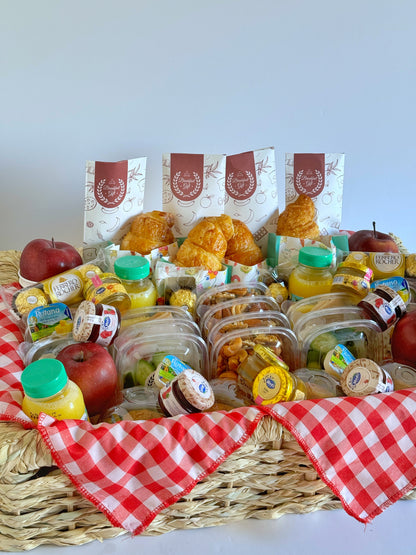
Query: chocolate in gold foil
x=29, y=298
x=183, y=297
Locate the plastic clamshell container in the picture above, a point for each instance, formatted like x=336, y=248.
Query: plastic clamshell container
x=47, y=347
x=308, y=321
x=153, y=313
x=221, y=293
x=142, y=329
x=279, y=339
x=189, y=348
x=139, y=403
x=245, y=321
x=318, y=302
x=246, y=305
x=362, y=337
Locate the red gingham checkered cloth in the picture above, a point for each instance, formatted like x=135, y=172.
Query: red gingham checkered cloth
x=364, y=449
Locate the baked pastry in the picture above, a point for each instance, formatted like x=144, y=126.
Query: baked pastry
x=241, y=247
x=206, y=244
x=148, y=231
x=298, y=219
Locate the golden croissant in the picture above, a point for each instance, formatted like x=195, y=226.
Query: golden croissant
x=241, y=247
x=148, y=231
x=206, y=243
x=298, y=219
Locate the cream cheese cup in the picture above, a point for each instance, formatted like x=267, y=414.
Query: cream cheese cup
x=365, y=377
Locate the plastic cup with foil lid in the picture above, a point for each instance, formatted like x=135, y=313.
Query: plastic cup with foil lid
x=99, y=323
x=188, y=393
x=363, y=377
x=319, y=384
x=274, y=384
x=403, y=376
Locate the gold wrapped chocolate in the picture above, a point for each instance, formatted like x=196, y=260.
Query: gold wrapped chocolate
x=87, y=270
x=184, y=297
x=26, y=299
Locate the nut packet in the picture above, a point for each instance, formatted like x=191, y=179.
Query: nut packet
x=114, y=194
x=321, y=177
x=193, y=188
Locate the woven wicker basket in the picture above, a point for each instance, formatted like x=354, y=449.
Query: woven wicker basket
x=267, y=477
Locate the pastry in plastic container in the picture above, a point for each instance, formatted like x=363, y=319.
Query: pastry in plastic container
x=233, y=348
x=221, y=293
x=153, y=314
x=245, y=321
x=47, y=347
x=295, y=310
x=233, y=307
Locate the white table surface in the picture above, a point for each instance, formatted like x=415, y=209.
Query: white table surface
x=321, y=532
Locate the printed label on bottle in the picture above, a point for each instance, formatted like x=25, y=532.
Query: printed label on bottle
x=384, y=309
x=108, y=326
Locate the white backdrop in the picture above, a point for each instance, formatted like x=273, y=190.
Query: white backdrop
x=106, y=80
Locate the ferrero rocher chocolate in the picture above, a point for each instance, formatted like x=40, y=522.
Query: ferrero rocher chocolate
x=26, y=299
x=183, y=297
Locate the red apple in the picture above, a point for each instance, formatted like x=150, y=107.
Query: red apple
x=370, y=240
x=92, y=368
x=41, y=259
x=403, y=340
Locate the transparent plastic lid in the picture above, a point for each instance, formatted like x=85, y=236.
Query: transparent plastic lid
x=221, y=293
x=256, y=303
x=245, y=321
x=139, y=357
x=47, y=347
x=139, y=403
x=153, y=313
x=363, y=338
x=308, y=321
x=233, y=348
x=142, y=329
x=295, y=310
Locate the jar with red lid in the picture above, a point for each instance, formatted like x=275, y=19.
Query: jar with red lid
x=99, y=323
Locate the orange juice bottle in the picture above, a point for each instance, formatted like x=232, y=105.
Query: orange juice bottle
x=47, y=389
x=312, y=275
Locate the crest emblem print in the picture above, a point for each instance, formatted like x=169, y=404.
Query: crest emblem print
x=240, y=185
x=110, y=193
x=309, y=182
x=186, y=185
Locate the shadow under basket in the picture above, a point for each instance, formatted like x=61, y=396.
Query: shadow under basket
x=266, y=478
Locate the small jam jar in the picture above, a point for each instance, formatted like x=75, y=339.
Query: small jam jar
x=189, y=392
x=353, y=277
x=99, y=323
x=363, y=377
x=134, y=272
x=384, y=306
x=107, y=288
x=274, y=384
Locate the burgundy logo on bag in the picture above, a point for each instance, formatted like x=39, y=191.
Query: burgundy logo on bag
x=110, y=183
x=309, y=174
x=186, y=175
x=240, y=176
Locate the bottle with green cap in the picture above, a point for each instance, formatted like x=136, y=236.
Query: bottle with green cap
x=134, y=273
x=47, y=389
x=312, y=276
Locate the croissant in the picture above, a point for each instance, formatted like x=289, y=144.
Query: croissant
x=148, y=231
x=241, y=247
x=206, y=243
x=298, y=219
